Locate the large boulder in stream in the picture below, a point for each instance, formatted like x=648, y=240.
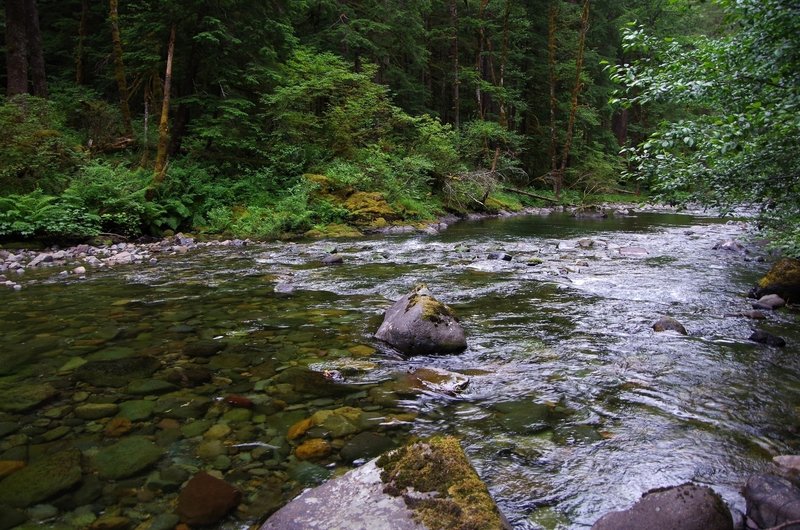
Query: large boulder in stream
x=418, y=324
x=426, y=484
x=684, y=507
x=772, y=501
x=782, y=279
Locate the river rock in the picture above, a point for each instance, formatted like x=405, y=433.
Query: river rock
x=23, y=398
x=332, y=259
x=769, y=302
x=668, y=324
x=365, y=445
x=95, y=411
x=731, y=245
x=782, y=279
x=633, y=252
x=762, y=337
x=355, y=501
x=500, y=256
x=418, y=324
x=203, y=348
x=118, y=372
x=313, y=449
x=137, y=409
x=771, y=500
x=182, y=406
x=126, y=458
x=684, y=507
x=206, y=499
x=10, y=517
x=42, y=479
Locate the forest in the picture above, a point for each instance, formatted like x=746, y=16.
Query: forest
x=266, y=119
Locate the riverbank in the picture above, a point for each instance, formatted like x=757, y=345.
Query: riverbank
x=21, y=266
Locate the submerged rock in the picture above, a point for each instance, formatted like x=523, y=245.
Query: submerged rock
x=117, y=372
x=684, y=507
x=42, y=479
x=206, y=499
x=769, y=302
x=126, y=457
x=771, y=500
x=782, y=279
x=762, y=337
x=669, y=324
x=23, y=398
x=418, y=324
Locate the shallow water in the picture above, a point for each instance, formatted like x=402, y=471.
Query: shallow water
x=574, y=407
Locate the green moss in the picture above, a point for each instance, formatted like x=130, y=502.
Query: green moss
x=440, y=466
x=333, y=230
x=365, y=207
x=784, y=272
x=503, y=201
x=432, y=309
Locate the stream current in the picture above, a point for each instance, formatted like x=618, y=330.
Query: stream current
x=574, y=406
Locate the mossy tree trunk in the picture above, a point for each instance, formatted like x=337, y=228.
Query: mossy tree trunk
x=163, y=125
x=119, y=68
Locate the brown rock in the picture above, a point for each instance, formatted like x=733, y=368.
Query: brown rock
x=111, y=522
x=313, y=449
x=206, y=500
x=684, y=507
x=669, y=324
x=10, y=466
x=299, y=429
x=117, y=427
x=239, y=401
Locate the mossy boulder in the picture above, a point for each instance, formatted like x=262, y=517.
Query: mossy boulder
x=126, y=458
x=24, y=398
x=366, y=207
x=418, y=324
x=42, y=479
x=782, y=279
x=437, y=482
x=333, y=230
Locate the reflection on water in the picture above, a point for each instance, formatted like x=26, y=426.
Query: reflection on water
x=574, y=405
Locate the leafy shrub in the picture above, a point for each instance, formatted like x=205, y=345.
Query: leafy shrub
x=37, y=150
x=44, y=216
x=115, y=193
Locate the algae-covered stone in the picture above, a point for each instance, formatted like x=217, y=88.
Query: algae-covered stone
x=117, y=373
x=137, y=409
x=42, y=479
x=143, y=387
x=439, y=466
x=23, y=398
x=782, y=279
x=182, y=406
x=95, y=411
x=126, y=457
x=418, y=324
x=368, y=206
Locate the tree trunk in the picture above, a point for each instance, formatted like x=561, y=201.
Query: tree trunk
x=479, y=58
x=119, y=68
x=503, y=116
x=163, y=126
x=35, y=53
x=16, y=49
x=79, y=50
x=551, y=78
x=454, y=51
x=573, y=109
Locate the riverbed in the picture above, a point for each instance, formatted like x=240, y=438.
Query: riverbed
x=566, y=400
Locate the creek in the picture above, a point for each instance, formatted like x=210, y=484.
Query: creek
x=574, y=406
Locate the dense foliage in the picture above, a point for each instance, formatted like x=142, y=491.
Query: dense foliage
x=740, y=143
x=291, y=116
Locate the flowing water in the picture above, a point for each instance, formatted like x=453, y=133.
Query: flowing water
x=574, y=405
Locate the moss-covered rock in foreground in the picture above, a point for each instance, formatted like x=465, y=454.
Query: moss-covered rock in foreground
x=782, y=279
x=438, y=483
